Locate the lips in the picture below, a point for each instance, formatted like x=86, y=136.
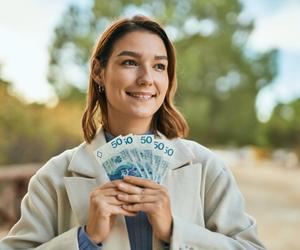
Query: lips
x=141, y=95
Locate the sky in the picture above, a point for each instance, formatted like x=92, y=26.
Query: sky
x=277, y=26
x=26, y=29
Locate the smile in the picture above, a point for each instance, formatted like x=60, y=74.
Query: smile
x=141, y=95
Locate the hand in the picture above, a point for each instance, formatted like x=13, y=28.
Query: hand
x=151, y=198
x=103, y=208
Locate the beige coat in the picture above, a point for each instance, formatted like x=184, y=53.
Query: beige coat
x=208, y=209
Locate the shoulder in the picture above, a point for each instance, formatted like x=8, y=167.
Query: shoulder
x=202, y=154
x=52, y=173
x=58, y=164
x=211, y=164
x=200, y=151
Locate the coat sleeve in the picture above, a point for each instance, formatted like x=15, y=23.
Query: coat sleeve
x=37, y=227
x=227, y=226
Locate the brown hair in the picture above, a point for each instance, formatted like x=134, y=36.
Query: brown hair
x=167, y=120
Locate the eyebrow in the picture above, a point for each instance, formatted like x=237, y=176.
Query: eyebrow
x=138, y=55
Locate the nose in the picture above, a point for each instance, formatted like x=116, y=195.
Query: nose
x=145, y=76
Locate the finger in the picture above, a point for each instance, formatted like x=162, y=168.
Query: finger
x=111, y=192
x=134, y=208
x=115, y=182
x=108, y=196
x=137, y=198
x=118, y=210
x=114, y=201
x=110, y=184
x=141, y=182
x=99, y=192
x=133, y=189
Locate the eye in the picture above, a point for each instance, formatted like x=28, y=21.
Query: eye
x=129, y=62
x=160, y=66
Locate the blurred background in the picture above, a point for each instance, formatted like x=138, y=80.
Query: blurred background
x=238, y=86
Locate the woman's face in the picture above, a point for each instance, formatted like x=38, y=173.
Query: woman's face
x=136, y=77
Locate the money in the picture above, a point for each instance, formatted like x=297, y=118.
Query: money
x=136, y=155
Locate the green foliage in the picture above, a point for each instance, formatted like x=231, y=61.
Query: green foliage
x=283, y=129
x=34, y=133
x=218, y=81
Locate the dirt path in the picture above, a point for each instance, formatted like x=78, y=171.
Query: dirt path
x=273, y=198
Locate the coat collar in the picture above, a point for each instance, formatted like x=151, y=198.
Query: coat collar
x=83, y=161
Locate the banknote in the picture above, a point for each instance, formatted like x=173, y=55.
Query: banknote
x=116, y=159
x=120, y=165
x=137, y=155
x=144, y=146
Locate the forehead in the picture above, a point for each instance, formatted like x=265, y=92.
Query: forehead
x=143, y=42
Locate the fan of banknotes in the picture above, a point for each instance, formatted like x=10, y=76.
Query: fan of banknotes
x=136, y=155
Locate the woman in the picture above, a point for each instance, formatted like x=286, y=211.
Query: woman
x=71, y=204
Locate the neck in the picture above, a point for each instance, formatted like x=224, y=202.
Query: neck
x=125, y=125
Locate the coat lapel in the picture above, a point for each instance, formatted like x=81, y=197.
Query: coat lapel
x=78, y=189
x=87, y=175
x=181, y=177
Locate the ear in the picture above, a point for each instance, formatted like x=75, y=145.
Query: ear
x=97, y=72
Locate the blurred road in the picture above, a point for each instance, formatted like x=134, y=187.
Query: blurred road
x=272, y=197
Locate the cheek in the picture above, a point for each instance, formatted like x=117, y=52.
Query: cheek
x=119, y=78
x=164, y=86
x=163, y=93
x=125, y=77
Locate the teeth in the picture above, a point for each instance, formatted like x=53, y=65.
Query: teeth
x=140, y=96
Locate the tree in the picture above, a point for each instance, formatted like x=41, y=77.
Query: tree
x=218, y=80
x=34, y=133
x=283, y=128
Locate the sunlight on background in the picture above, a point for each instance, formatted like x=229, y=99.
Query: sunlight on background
x=26, y=29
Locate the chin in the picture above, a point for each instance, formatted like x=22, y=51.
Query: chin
x=142, y=114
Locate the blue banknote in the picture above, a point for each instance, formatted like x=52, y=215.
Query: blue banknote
x=136, y=155
x=120, y=165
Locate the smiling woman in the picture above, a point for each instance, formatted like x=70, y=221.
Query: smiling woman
x=135, y=80
x=194, y=205
x=144, y=58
